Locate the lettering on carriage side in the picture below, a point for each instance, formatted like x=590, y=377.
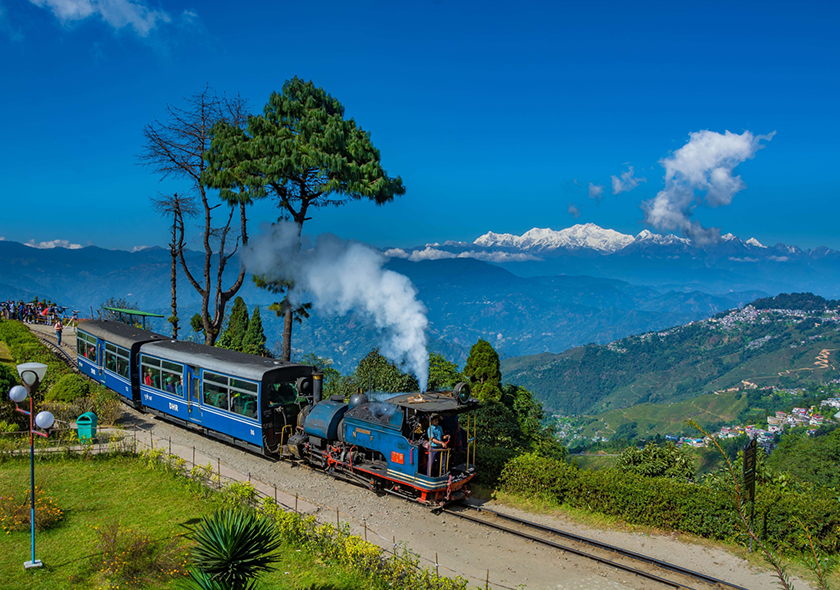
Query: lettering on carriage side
x=93, y=371
x=173, y=407
x=147, y=397
x=252, y=432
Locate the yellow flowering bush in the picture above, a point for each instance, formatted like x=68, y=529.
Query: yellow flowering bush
x=132, y=559
x=16, y=510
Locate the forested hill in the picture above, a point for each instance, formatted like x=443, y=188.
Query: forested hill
x=774, y=345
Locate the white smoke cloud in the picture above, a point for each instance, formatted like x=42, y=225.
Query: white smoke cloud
x=53, y=244
x=573, y=210
x=704, y=164
x=341, y=276
x=596, y=192
x=117, y=13
x=627, y=182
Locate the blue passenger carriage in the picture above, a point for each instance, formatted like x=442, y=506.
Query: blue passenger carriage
x=108, y=352
x=240, y=398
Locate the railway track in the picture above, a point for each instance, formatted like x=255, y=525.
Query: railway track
x=654, y=570
x=59, y=352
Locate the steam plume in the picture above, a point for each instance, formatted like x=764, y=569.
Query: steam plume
x=340, y=276
x=704, y=164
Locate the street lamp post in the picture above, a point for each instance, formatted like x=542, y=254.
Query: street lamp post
x=32, y=374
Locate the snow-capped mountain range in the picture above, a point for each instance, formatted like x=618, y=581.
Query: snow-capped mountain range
x=546, y=242
x=648, y=258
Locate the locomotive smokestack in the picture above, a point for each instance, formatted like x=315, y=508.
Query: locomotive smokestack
x=317, y=385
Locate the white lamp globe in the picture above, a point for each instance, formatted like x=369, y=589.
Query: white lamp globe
x=17, y=393
x=44, y=420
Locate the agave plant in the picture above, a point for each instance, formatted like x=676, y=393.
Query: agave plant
x=233, y=546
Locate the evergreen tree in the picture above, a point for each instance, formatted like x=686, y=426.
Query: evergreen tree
x=484, y=371
x=443, y=374
x=305, y=154
x=377, y=373
x=237, y=326
x=254, y=340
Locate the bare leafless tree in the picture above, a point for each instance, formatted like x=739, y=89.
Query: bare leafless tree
x=176, y=147
x=176, y=207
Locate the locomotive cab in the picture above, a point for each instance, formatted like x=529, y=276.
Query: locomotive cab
x=383, y=443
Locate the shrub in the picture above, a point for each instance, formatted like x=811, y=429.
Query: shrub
x=16, y=510
x=136, y=560
x=533, y=475
x=69, y=388
x=490, y=462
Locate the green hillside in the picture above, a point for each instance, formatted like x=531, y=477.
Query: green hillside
x=648, y=419
x=750, y=347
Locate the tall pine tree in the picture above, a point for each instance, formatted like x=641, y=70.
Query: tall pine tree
x=484, y=370
x=237, y=326
x=303, y=153
x=254, y=340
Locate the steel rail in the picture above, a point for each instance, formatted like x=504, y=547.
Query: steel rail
x=604, y=546
x=56, y=349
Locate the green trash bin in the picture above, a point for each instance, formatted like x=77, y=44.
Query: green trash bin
x=86, y=426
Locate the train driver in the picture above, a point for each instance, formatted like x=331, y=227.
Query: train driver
x=437, y=441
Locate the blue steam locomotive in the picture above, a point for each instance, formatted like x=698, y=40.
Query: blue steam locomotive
x=274, y=408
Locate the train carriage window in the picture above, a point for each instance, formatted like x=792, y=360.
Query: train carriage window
x=216, y=392
x=86, y=346
x=171, y=374
x=122, y=366
x=110, y=361
x=243, y=399
x=280, y=394
x=150, y=372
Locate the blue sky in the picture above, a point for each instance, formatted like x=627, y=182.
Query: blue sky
x=497, y=116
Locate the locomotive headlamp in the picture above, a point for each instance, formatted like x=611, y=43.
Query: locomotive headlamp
x=462, y=392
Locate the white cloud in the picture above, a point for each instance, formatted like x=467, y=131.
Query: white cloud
x=53, y=244
x=138, y=248
x=116, y=13
x=626, y=183
x=704, y=164
x=573, y=210
x=430, y=254
x=596, y=192
x=396, y=253
x=779, y=258
x=435, y=254
x=499, y=256
x=744, y=259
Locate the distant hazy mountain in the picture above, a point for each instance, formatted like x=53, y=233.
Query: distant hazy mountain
x=467, y=299
x=662, y=261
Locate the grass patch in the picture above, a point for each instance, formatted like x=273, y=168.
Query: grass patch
x=96, y=492
x=6, y=355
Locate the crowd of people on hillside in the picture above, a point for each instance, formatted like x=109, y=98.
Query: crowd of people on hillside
x=34, y=312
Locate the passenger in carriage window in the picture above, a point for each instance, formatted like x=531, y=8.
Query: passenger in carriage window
x=170, y=384
x=179, y=388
